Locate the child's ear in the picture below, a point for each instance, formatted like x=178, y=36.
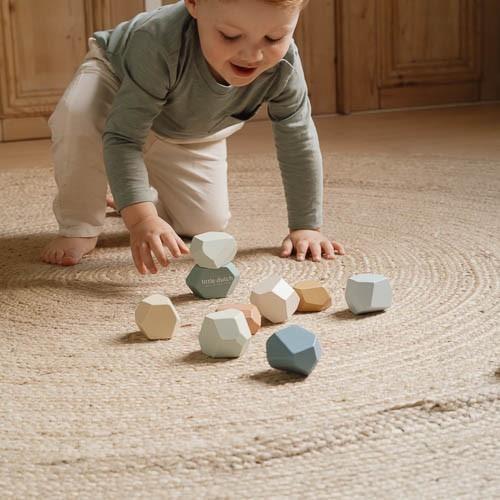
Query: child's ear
x=192, y=7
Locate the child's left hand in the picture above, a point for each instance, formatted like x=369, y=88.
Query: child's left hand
x=312, y=241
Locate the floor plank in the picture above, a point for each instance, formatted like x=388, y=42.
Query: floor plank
x=461, y=132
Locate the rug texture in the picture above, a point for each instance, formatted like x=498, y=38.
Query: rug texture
x=403, y=404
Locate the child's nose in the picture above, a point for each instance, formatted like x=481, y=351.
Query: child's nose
x=252, y=56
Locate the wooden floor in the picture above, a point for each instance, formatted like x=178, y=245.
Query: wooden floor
x=462, y=132
x=458, y=132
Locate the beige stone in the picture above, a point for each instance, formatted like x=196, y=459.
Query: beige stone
x=156, y=317
x=251, y=313
x=275, y=299
x=314, y=297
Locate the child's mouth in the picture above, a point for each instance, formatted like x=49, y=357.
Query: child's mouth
x=241, y=71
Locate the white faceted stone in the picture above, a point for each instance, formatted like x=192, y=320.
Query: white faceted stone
x=368, y=293
x=213, y=249
x=156, y=317
x=275, y=299
x=224, y=334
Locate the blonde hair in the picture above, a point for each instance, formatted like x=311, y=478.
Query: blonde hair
x=284, y=4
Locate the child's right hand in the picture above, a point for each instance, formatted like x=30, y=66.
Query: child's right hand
x=148, y=234
x=147, y=238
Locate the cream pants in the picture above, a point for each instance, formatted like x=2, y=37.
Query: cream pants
x=188, y=178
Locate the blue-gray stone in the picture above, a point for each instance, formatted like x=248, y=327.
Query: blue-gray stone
x=293, y=349
x=213, y=283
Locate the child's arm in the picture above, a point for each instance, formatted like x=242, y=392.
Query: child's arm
x=145, y=81
x=301, y=164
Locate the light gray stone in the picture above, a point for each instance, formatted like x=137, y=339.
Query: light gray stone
x=224, y=334
x=368, y=293
x=213, y=249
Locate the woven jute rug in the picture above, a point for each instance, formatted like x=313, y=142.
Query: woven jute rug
x=403, y=404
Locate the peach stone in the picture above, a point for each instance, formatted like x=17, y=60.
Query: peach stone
x=251, y=313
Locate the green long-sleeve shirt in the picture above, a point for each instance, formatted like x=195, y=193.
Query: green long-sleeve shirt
x=166, y=85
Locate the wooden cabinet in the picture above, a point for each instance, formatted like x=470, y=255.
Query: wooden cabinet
x=42, y=43
x=403, y=53
x=358, y=55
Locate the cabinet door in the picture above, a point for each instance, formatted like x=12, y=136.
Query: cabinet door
x=315, y=37
x=400, y=53
x=39, y=54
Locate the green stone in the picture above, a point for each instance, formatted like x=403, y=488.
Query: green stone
x=213, y=283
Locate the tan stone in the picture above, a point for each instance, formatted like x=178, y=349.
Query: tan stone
x=314, y=297
x=156, y=317
x=251, y=313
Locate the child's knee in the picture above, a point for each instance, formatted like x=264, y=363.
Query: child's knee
x=75, y=119
x=203, y=223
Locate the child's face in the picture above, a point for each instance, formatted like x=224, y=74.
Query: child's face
x=243, y=38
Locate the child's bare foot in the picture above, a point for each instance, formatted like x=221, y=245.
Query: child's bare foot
x=110, y=202
x=67, y=251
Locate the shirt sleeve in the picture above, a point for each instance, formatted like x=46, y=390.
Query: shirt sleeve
x=298, y=149
x=142, y=94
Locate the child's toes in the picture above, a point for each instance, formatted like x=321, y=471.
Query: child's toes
x=48, y=256
x=110, y=202
x=70, y=257
x=58, y=256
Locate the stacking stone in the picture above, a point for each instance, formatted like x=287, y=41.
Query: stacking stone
x=224, y=334
x=314, y=297
x=293, y=349
x=251, y=313
x=368, y=293
x=213, y=250
x=214, y=276
x=213, y=283
x=275, y=299
x=156, y=317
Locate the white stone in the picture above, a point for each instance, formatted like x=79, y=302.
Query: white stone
x=224, y=334
x=275, y=299
x=156, y=317
x=368, y=293
x=213, y=249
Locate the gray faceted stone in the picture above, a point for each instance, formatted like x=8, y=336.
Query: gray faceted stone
x=368, y=293
x=224, y=334
x=293, y=349
x=213, y=283
x=213, y=249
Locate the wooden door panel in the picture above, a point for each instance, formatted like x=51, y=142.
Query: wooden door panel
x=105, y=14
x=40, y=58
x=418, y=29
x=315, y=37
x=427, y=41
x=401, y=53
x=490, y=82
x=357, y=53
x=42, y=43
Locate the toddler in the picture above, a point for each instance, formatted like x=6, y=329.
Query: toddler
x=149, y=111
